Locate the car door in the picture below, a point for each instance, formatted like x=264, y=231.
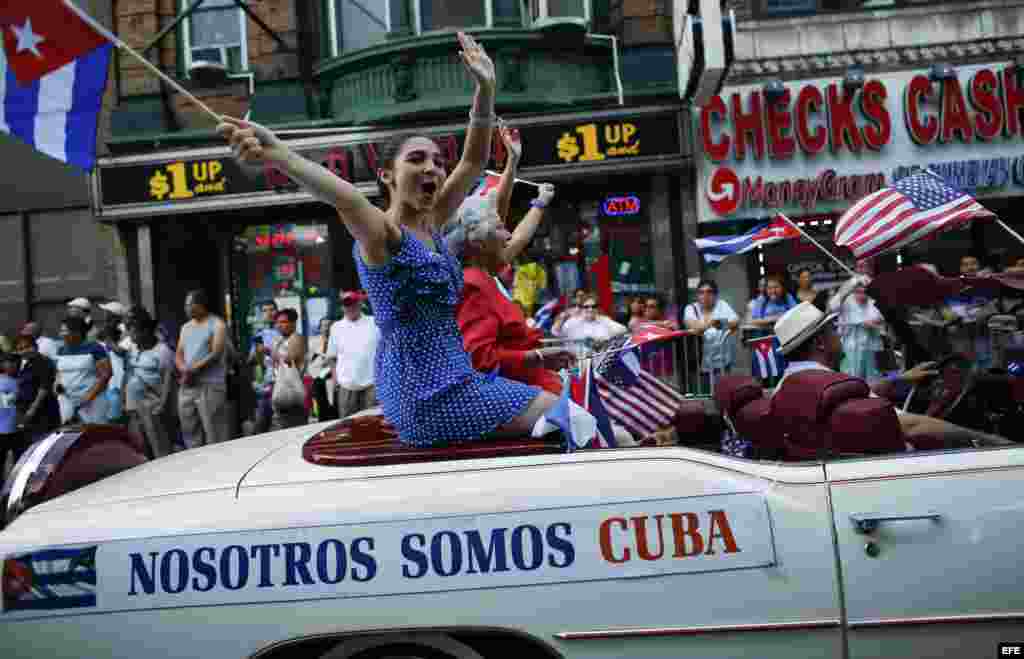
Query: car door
x=641, y=583
x=929, y=547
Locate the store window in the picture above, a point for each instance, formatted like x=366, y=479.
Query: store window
x=357, y=24
x=289, y=264
x=215, y=32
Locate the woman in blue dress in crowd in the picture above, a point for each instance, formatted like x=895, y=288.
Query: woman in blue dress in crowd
x=425, y=379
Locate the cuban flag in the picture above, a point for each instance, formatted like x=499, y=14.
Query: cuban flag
x=487, y=183
x=584, y=391
x=49, y=579
x=544, y=318
x=767, y=362
x=53, y=70
x=718, y=248
x=578, y=426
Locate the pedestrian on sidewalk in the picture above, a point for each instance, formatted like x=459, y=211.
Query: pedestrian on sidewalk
x=289, y=398
x=202, y=397
x=351, y=350
x=149, y=382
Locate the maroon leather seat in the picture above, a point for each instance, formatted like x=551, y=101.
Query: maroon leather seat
x=370, y=441
x=734, y=391
x=696, y=425
x=80, y=455
x=755, y=423
x=818, y=413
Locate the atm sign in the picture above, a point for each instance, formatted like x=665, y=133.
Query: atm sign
x=629, y=205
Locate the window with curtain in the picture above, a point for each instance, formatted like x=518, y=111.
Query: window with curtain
x=216, y=33
x=357, y=24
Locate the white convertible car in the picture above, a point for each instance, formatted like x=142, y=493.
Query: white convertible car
x=331, y=541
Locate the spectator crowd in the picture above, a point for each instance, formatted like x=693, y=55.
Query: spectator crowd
x=186, y=389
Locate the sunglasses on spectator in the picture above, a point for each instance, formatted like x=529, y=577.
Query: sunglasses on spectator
x=589, y=306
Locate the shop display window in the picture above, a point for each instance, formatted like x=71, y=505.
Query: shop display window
x=289, y=264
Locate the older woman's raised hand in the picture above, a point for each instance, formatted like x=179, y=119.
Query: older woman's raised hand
x=250, y=142
x=512, y=140
x=546, y=193
x=477, y=61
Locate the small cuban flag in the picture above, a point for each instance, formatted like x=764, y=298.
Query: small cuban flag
x=53, y=70
x=577, y=425
x=767, y=361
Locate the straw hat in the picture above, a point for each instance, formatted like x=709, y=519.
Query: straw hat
x=799, y=324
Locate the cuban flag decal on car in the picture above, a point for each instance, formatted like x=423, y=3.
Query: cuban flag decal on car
x=49, y=579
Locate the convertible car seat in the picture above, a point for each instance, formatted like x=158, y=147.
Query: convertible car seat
x=742, y=402
x=369, y=440
x=819, y=413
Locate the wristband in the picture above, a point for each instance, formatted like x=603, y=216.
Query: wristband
x=539, y=203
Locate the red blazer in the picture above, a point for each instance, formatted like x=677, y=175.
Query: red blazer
x=495, y=333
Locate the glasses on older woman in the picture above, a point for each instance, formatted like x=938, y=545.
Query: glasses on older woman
x=589, y=306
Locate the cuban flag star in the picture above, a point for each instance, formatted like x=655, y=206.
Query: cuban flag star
x=53, y=70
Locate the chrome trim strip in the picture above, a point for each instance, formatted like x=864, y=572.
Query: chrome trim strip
x=932, y=474
x=967, y=618
x=693, y=631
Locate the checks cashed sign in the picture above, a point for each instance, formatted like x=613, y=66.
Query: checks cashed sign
x=819, y=147
x=420, y=555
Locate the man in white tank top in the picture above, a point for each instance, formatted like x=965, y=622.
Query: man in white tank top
x=202, y=374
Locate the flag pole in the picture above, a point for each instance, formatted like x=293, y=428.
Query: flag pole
x=145, y=62
x=818, y=245
x=1009, y=230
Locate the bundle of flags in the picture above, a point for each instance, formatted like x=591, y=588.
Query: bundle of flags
x=53, y=70
x=579, y=416
x=717, y=248
x=631, y=396
x=914, y=208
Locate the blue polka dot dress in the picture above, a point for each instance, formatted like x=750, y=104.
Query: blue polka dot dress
x=425, y=379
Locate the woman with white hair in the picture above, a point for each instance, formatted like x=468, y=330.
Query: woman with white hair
x=494, y=328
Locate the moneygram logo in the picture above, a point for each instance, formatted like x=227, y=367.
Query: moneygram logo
x=724, y=191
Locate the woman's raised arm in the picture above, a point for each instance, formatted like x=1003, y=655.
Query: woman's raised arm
x=255, y=144
x=527, y=227
x=477, y=150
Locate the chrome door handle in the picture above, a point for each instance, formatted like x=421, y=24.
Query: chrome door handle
x=868, y=522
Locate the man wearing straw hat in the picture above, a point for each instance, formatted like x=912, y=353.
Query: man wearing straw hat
x=809, y=339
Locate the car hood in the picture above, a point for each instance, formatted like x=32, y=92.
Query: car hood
x=209, y=468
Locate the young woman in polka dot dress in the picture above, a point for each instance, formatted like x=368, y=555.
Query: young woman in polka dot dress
x=425, y=380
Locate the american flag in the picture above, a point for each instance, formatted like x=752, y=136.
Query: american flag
x=633, y=398
x=63, y=578
x=916, y=207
